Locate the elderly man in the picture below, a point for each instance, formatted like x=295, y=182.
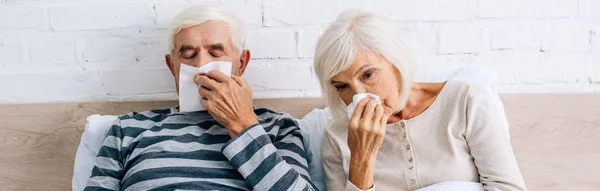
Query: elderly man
x=231, y=146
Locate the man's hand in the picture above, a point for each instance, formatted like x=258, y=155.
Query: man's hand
x=228, y=100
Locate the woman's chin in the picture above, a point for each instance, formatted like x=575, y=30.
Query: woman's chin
x=389, y=110
x=393, y=119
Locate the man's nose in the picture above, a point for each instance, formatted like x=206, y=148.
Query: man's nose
x=203, y=58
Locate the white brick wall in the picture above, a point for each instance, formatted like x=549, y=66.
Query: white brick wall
x=98, y=16
x=23, y=17
x=456, y=39
x=568, y=37
x=307, y=41
x=304, y=12
x=96, y=50
x=527, y=9
x=589, y=8
x=11, y=52
x=52, y=51
x=271, y=44
x=428, y=10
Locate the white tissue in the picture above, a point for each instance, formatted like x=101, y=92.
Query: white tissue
x=356, y=98
x=189, y=98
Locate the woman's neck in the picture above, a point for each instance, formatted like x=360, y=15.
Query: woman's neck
x=421, y=96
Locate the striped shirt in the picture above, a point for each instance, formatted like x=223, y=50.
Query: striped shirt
x=170, y=150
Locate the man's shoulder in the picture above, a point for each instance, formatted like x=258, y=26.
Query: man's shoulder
x=266, y=114
x=144, y=119
x=269, y=119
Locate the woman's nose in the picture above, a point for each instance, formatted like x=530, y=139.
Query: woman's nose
x=358, y=89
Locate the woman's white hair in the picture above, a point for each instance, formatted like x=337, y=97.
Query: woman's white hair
x=199, y=14
x=351, y=32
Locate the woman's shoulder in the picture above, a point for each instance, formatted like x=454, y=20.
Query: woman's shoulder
x=468, y=90
x=474, y=94
x=334, y=140
x=336, y=130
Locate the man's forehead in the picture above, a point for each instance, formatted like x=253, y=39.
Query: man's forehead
x=207, y=33
x=201, y=42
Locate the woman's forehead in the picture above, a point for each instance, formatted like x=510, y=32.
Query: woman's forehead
x=365, y=57
x=362, y=59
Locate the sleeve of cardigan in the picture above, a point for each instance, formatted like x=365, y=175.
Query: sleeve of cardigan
x=489, y=144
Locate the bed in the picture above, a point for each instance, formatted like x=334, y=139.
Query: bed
x=556, y=138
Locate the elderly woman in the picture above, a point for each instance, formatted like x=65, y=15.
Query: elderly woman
x=420, y=133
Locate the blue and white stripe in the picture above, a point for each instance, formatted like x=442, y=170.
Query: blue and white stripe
x=167, y=150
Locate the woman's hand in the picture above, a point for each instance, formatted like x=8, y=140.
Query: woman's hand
x=366, y=130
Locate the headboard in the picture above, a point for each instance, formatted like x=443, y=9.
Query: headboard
x=556, y=138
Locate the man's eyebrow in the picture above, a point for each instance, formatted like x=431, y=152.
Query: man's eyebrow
x=186, y=47
x=218, y=46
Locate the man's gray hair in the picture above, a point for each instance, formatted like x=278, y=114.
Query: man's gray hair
x=199, y=14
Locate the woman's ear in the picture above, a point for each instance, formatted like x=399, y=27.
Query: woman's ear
x=244, y=60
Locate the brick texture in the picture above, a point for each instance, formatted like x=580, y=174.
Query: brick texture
x=98, y=50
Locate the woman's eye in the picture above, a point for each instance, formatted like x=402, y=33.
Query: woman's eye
x=368, y=75
x=341, y=87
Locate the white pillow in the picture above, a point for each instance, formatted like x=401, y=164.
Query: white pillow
x=312, y=126
x=91, y=141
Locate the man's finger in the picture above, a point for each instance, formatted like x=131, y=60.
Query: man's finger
x=206, y=82
x=205, y=103
x=239, y=80
x=218, y=76
x=205, y=93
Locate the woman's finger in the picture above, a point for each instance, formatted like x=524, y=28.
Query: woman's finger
x=383, y=122
x=378, y=113
x=382, y=129
x=366, y=122
x=358, y=110
x=369, y=110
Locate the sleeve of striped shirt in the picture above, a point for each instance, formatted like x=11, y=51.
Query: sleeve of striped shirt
x=108, y=170
x=271, y=163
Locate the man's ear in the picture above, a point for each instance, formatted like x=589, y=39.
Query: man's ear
x=244, y=60
x=169, y=64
